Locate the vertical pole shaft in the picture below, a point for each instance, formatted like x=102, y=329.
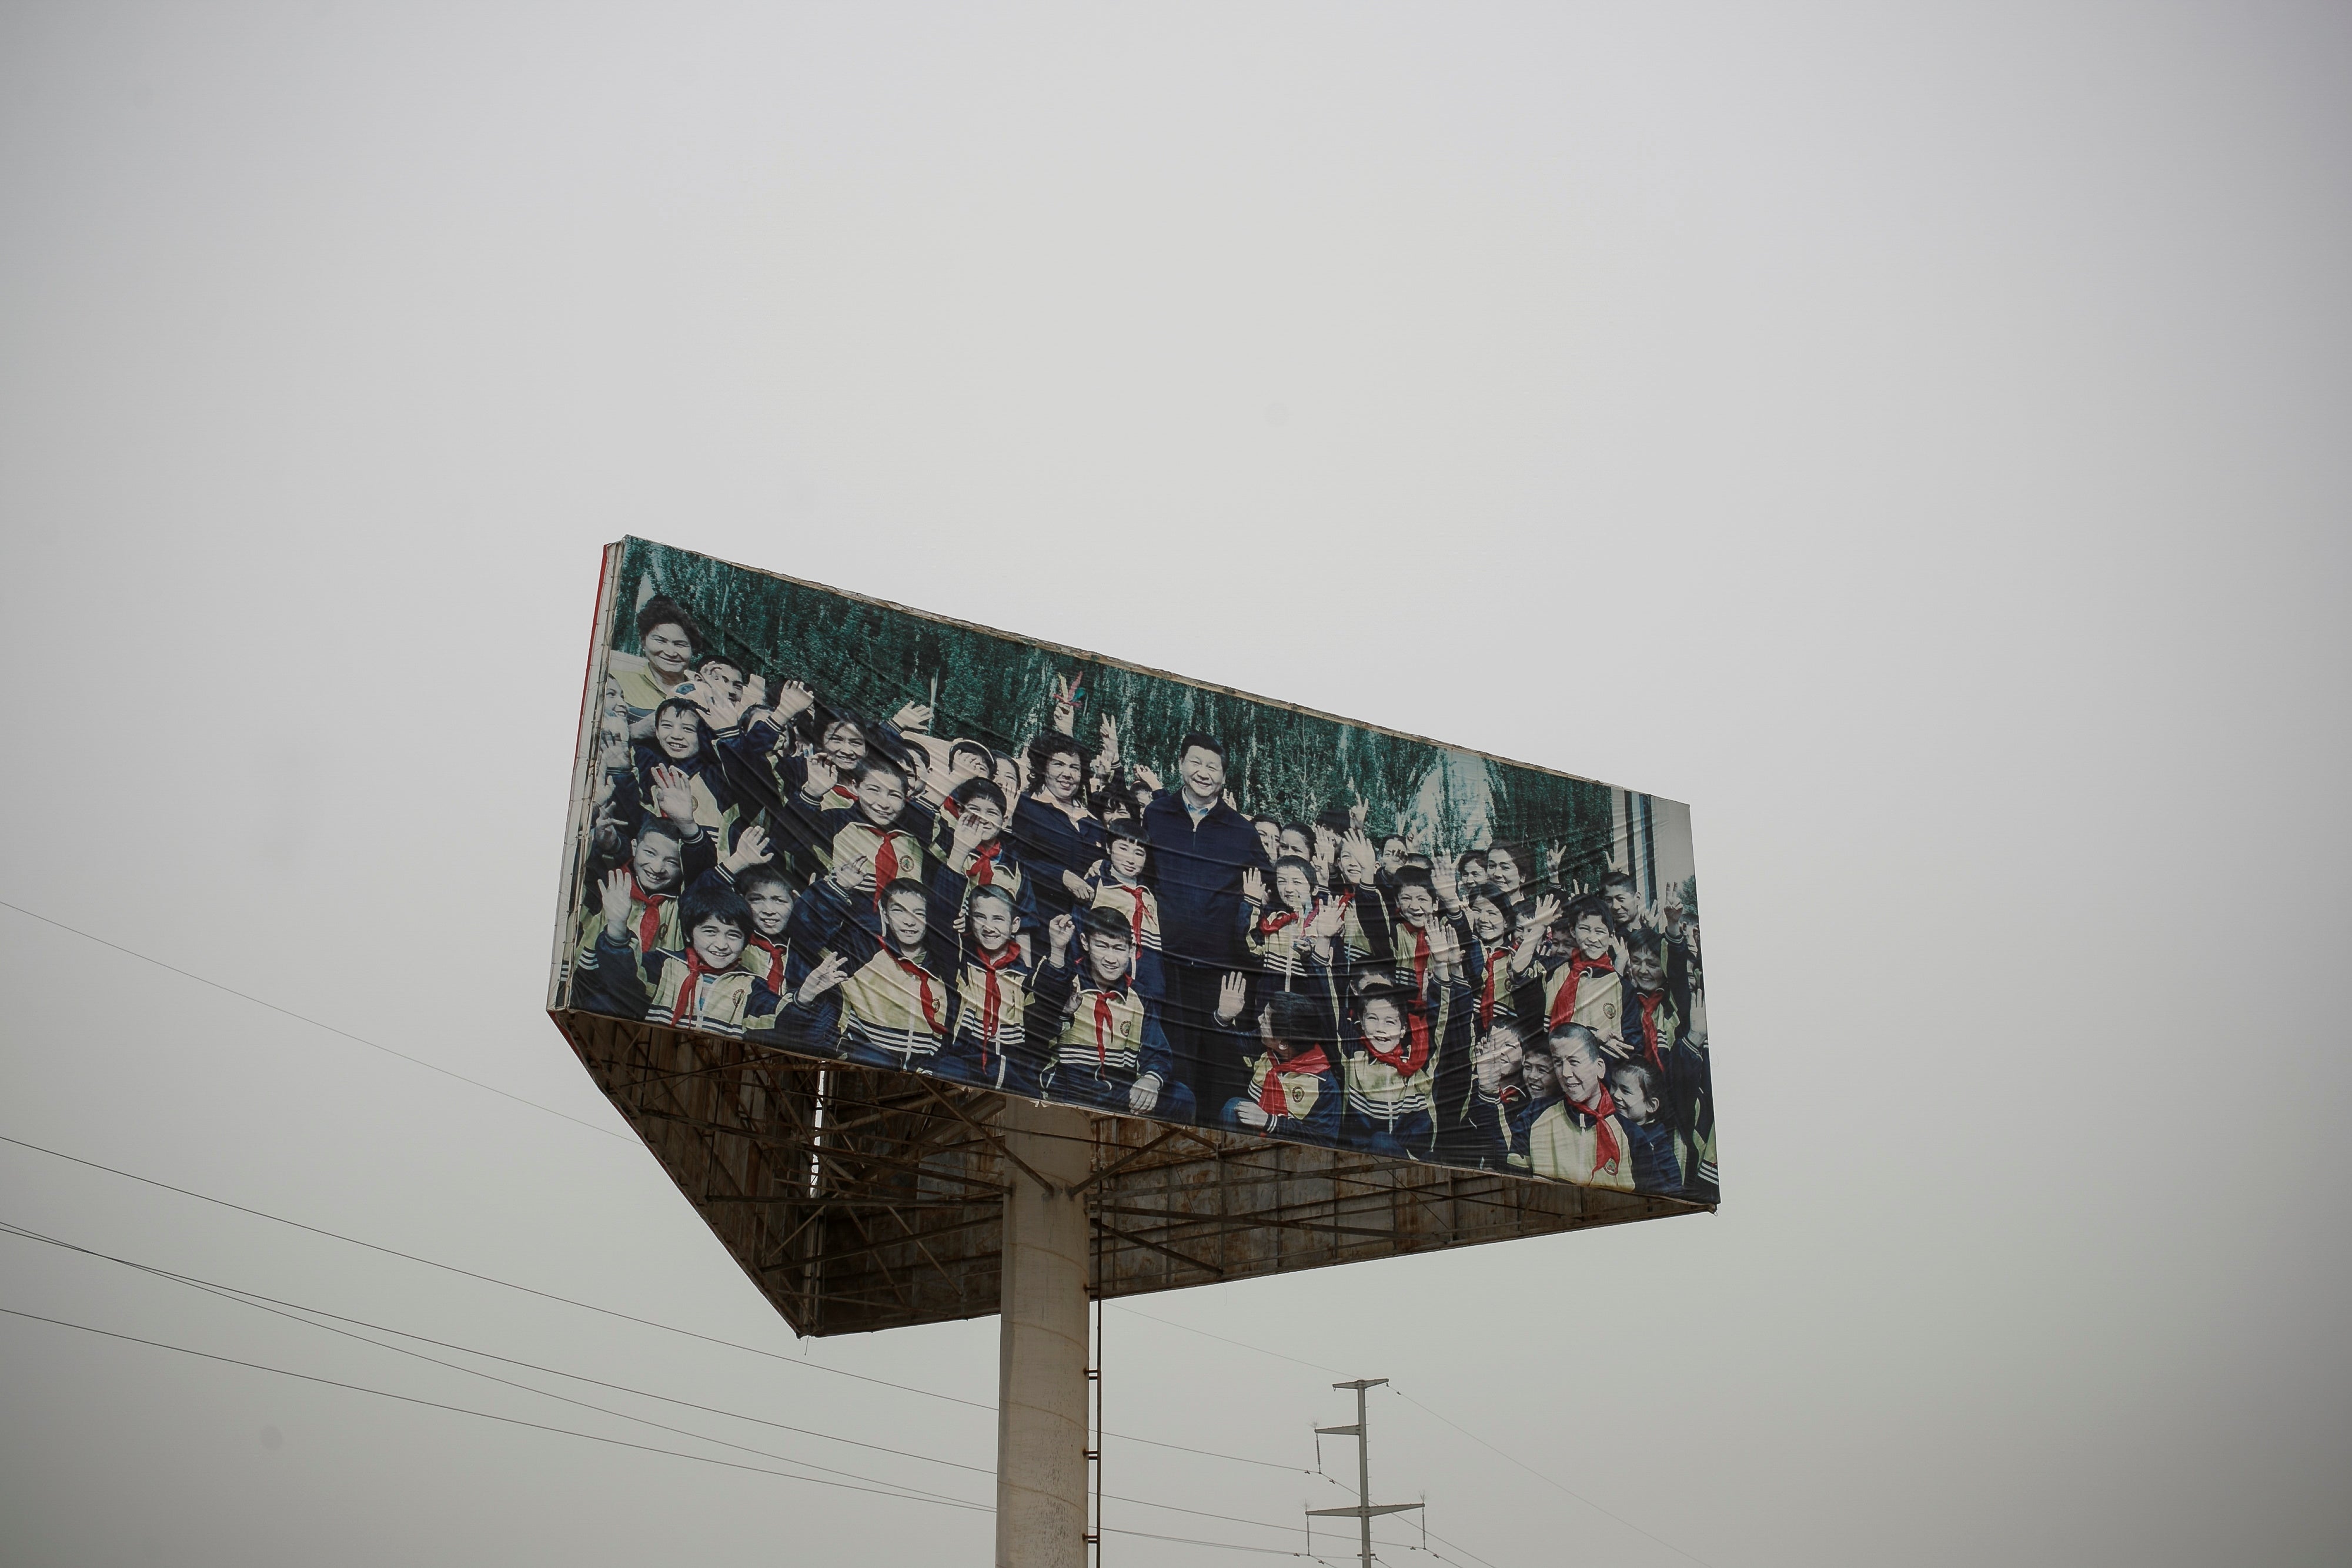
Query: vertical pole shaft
x=1364, y=1476
x=1041, y=1379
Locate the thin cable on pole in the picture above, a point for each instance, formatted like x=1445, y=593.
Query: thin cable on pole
x=314, y=1023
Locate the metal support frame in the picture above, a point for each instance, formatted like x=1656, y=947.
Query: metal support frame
x=903, y=1222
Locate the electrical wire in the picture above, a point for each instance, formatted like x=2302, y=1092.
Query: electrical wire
x=315, y=1023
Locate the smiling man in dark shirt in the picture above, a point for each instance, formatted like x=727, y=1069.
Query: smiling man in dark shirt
x=1200, y=848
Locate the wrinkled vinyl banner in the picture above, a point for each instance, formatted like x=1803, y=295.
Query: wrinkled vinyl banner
x=850, y=831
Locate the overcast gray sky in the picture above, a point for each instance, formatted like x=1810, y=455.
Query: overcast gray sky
x=1915, y=436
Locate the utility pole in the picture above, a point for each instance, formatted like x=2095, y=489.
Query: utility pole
x=1365, y=1507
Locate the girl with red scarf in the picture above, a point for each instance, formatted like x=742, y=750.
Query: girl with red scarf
x=1391, y=1052
x=1293, y=1088
x=1115, y=882
x=1283, y=938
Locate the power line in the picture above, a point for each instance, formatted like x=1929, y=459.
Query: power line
x=314, y=1023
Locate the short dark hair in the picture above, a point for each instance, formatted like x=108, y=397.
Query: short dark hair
x=1416, y=876
x=1582, y=904
x=961, y=745
x=1381, y=991
x=1047, y=746
x=760, y=876
x=679, y=705
x=1485, y=894
x=1265, y=822
x=1336, y=819
x=721, y=904
x=735, y=665
x=1305, y=869
x=1098, y=921
x=1646, y=1076
x=1388, y=839
x=904, y=887
x=1295, y=1017
x=982, y=787
x=875, y=762
x=1516, y=852
x=1574, y=1037
x=1641, y=939
x=1462, y=861
x=990, y=890
x=656, y=823
x=662, y=611
x=1124, y=826
x=1617, y=878
x=1206, y=742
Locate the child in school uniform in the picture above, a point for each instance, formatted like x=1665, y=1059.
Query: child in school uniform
x=1651, y=1023
x=1002, y=1015
x=699, y=985
x=1281, y=939
x=870, y=833
x=665, y=855
x=1581, y=985
x=679, y=742
x=1112, y=1051
x=975, y=855
x=1115, y=882
x=1580, y=1137
x=1293, y=1090
x=1490, y=1134
x=1636, y=1086
x=893, y=1010
x=1390, y=1064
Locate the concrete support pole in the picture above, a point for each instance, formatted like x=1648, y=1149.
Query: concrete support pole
x=1041, y=1370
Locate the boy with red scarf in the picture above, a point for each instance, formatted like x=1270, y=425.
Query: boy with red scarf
x=1294, y=1090
x=669, y=851
x=749, y=869
x=1582, y=986
x=1002, y=1009
x=1652, y=1023
x=1113, y=1052
x=1491, y=1133
x=973, y=853
x=1115, y=882
x=893, y=1010
x=1580, y=1139
x=699, y=985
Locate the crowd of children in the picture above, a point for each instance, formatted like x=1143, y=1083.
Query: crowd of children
x=1065, y=923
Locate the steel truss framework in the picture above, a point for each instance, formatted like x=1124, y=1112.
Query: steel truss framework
x=858, y=1198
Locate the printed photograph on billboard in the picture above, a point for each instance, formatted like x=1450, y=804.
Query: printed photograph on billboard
x=848, y=831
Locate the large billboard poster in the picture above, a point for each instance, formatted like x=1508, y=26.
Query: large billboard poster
x=848, y=831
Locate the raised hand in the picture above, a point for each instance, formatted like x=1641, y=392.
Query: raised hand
x=1357, y=847
x=750, y=849
x=1059, y=933
x=1442, y=873
x=1358, y=810
x=914, y=718
x=793, y=699
x=674, y=795
x=1616, y=1048
x=1065, y=704
x=1254, y=887
x=1151, y=779
x=824, y=977
x=1327, y=923
x=964, y=846
x=616, y=894
x=1545, y=915
x=823, y=773
x=1233, y=995
x=1109, y=741
x=1077, y=885
x=853, y=875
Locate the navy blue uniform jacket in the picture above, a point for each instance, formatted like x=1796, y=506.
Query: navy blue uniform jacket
x=1197, y=874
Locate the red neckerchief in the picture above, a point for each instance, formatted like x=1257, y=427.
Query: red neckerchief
x=1650, y=1000
x=923, y=983
x=1495, y=961
x=775, y=952
x=885, y=860
x=1605, y=1152
x=650, y=923
x=1135, y=921
x=992, y=1001
x=1274, y=923
x=1578, y=965
x=984, y=864
x=1106, y=1026
x=681, y=1012
x=1414, y=1056
x=1416, y=1022
x=1272, y=1098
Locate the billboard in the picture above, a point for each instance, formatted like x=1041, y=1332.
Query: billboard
x=840, y=830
